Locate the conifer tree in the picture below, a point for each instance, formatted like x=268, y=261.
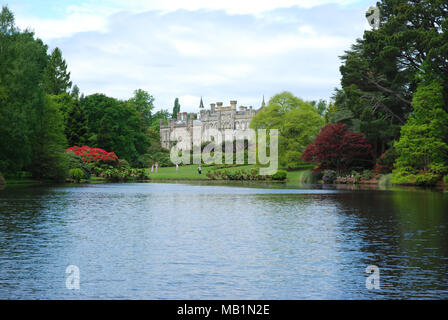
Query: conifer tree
x=56, y=77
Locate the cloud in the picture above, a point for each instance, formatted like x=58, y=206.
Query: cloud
x=206, y=49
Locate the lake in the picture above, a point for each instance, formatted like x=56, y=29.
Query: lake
x=231, y=241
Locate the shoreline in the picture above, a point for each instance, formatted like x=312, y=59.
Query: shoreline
x=362, y=185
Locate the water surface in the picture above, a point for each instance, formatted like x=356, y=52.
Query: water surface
x=208, y=241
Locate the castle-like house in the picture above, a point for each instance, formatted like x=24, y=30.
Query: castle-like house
x=217, y=117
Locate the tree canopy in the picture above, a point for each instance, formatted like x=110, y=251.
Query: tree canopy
x=297, y=121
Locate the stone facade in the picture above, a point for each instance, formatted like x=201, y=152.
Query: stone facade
x=217, y=117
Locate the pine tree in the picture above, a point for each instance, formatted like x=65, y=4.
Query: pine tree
x=56, y=77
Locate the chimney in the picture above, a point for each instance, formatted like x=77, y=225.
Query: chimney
x=212, y=107
x=233, y=104
x=219, y=104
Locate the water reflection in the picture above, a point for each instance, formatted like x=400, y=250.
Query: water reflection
x=206, y=241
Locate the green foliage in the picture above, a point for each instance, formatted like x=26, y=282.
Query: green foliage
x=422, y=147
x=406, y=176
x=76, y=174
x=76, y=126
x=445, y=179
x=114, y=125
x=367, y=175
x=279, y=175
x=356, y=177
x=75, y=162
x=321, y=106
x=49, y=159
x=382, y=70
x=176, y=108
x=32, y=126
x=121, y=173
x=143, y=102
x=22, y=61
x=298, y=123
x=124, y=163
x=56, y=78
x=251, y=174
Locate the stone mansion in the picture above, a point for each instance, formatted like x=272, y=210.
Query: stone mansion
x=217, y=117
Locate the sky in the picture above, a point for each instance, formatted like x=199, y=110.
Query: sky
x=217, y=50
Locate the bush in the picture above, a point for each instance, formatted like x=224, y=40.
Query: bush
x=329, y=176
x=124, y=163
x=445, y=179
x=338, y=149
x=76, y=174
x=356, y=177
x=97, y=155
x=367, y=175
x=385, y=163
x=120, y=174
x=409, y=176
x=75, y=162
x=244, y=175
x=279, y=175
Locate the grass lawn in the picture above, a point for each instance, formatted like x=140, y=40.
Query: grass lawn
x=188, y=172
x=293, y=176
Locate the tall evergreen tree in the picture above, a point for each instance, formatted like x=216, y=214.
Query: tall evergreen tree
x=176, y=108
x=56, y=77
x=423, y=145
x=76, y=128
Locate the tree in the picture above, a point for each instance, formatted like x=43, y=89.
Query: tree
x=297, y=121
x=423, y=147
x=321, y=106
x=120, y=131
x=382, y=70
x=22, y=61
x=75, y=92
x=56, y=77
x=143, y=102
x=116, y=126
x=338, y=149
x=49, y=160
x=76, y=126
x=176, y=108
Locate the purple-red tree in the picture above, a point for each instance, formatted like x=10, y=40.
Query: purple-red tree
x=338, y=149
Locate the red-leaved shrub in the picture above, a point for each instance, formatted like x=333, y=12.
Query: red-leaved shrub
x=338, y=149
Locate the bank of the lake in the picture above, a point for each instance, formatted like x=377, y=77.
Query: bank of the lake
x=190, y=173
